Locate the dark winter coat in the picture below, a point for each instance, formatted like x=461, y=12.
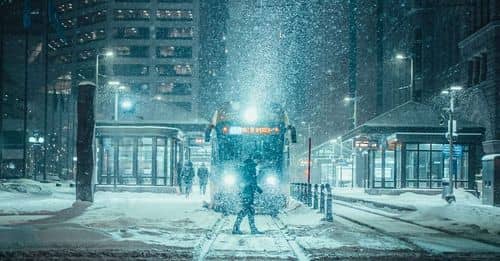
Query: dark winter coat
x=249, y=182
x=188, y=174
x=203, y=175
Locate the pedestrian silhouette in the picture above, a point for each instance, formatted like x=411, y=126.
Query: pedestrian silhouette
x=247, y=197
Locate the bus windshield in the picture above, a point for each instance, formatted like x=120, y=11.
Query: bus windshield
x=269, y=148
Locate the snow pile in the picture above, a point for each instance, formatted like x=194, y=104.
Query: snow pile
x=29, y=197
x=152, y=218
x=466, y=215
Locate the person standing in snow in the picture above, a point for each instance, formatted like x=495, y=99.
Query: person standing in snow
x=178, y=169
x=203, y=178
x=187, y=177
x=247, y=196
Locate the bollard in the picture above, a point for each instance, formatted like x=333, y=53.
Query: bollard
x=329, y=204
x=315, y=197
x=322, y=199
x=309, y=195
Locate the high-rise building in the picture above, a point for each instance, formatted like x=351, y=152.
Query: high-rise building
x=155, y=45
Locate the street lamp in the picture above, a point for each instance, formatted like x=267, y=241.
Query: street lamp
x=355, y=108
x=400, y=56
x=115, y=83
x=448, y=195
x=106, y=54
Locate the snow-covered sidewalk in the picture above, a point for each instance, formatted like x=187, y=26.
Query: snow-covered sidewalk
x=466, y=215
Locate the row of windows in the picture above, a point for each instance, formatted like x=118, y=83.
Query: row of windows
x=160, y=1
x=135, y=51
x=68, y=6
x=163, y=88
x=161, y=33
x=161, y=51
x=144, y=14
x=161, y=70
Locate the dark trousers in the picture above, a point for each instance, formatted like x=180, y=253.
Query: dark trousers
x=247, y=210
x=203, y=188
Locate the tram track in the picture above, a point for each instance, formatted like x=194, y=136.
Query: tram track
x=285, y=247
x=206, y=244
x=405, y=221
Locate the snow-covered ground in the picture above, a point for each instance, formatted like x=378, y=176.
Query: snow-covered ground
x=466, y=215
x=44, y=220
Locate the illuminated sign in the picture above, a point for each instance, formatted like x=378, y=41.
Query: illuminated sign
x=237, y=130
x=365, y=144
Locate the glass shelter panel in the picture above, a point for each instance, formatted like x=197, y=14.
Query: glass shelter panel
x=145, y=161
x=125, y=160
x=108, y=166
x=389, y=169
x=161, y=162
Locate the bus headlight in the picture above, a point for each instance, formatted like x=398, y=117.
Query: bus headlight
x=250, y=115
x=229, y=179
x=272, y=180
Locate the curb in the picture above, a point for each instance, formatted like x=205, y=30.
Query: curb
x=375, y=203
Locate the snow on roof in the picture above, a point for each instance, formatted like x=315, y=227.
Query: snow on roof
x=413, y=114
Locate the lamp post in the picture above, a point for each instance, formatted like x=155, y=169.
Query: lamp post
x=106, y=54
x=450, y=135
x=309, y=141
x=404, y=57
x=355, y=108
x=115, y=83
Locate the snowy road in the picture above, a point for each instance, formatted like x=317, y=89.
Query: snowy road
x=152, y=226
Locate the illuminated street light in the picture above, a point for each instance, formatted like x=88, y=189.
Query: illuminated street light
x=106, y=54
x=114, y=83
x=127, y=104
x=250, y=115
x=400, y=56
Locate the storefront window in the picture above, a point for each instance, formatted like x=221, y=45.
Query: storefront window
x=145, y=160
x=423, y=168
x=160, y=162
x=108, y=166
x=377, y=170
x=411, y=170
x=389, y=169
x=431, y=165
x=125, y=161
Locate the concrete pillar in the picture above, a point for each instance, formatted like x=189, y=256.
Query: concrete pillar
x=85, y=141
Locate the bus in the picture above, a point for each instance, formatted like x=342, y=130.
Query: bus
x=238, y=132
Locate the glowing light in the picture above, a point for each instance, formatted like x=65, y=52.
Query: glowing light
x=109, y=54
x=250, y=115
x=127, y=104
x=272, y=180
x=113, y=83
x=456, y=88
x=400, y=56
x=229, y=180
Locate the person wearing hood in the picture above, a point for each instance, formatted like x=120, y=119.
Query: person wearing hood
x=247, y=197
x=187, y=177
x=203, y=178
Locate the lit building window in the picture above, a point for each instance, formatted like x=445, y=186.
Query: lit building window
x=172, y=88
x=131, y=33
x=174, y=70
x=89, y=3
x=64, y=7
x=130, y=69
x=170, y=14
x=86, y=37
x=131, y=14
x=132, y=51
x=174, y=33
x=92, y=18
x=174, y=52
